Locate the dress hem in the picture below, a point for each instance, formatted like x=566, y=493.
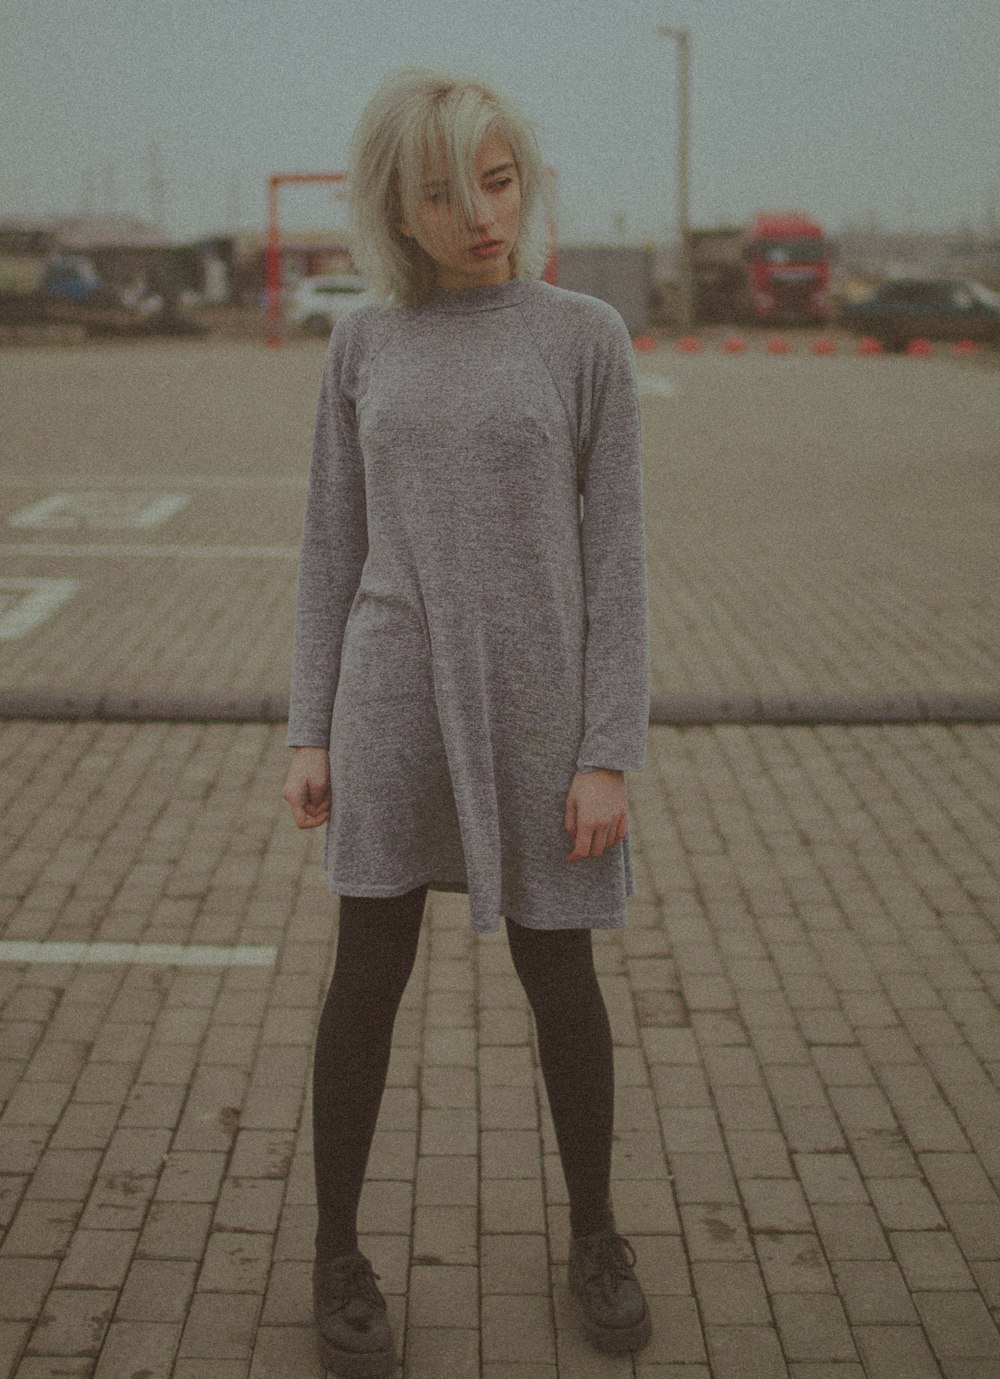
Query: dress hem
x=616, y=919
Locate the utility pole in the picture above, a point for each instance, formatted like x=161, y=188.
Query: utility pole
x=109, y=198
x=157, y=186
x=87, y=199
x=682, y=37
x=234, y=201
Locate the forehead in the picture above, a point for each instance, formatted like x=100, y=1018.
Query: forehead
x=494, y=151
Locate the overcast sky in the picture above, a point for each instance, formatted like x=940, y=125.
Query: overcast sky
x=851, y=109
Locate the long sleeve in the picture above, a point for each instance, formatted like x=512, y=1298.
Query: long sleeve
x=616, y=666
x=334, y=547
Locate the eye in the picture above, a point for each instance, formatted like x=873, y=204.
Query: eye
x=500, y=183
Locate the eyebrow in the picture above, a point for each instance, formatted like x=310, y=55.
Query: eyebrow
x=490, y=172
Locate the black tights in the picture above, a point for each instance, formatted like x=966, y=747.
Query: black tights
x=376, y=948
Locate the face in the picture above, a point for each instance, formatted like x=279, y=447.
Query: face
x=475, y=255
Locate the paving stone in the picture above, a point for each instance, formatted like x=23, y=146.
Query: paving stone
x=445, y=1235
x=236, y=1262
x=249, y=1204
x=874, y=1292
x=447, y=1180
x=904, y=1204
x=959, y=1324
x=97, y=1259
x=138, y=1347
x=41, y=1229
x=220, y=1326
x=512, y=1264
x=435, y=1351
x=677, y=1333
x=830, y=1178
x=442, y=1296
x=47, y=1367
x=518, y=1329
x=730, y=1294
x=24, y=1285
x=813, y=1327
x=745, y=1352
x=895, y=1352
x=976, y=1227
x=175, y=1230
x=931, y=1260
x=715, y=1231
x=775, y=1204
x=73, y=1323
x=191, y=1177
x=792, y=1263
x=703, y=1178
x=286, y=1352
x=157, y=1291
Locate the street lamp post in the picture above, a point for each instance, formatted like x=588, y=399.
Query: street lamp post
x=682, y=37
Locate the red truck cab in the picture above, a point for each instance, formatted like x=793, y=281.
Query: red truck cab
x=787, y=258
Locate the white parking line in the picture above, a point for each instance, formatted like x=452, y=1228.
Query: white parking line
x=30, y=548
x=27, y=601
x=138, y=480
x=99, y=508
x=156, y=954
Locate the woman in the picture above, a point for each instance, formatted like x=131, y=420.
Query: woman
x=470, y=663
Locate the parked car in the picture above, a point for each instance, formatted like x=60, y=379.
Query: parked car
x=907, y=309
x=316, y=303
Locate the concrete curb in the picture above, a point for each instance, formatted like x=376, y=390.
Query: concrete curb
x=676, y=710
x=935, y=706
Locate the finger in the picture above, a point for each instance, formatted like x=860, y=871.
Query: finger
x=600, y=841
x=581, y=849
x=622, y=828
x=569, y=817
x=319, y=798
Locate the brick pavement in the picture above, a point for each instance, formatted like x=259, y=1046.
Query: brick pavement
x=806, y=1005
x=806, y=1013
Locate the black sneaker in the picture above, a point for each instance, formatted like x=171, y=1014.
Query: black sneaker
x=602, y=1278
x=353, y=1328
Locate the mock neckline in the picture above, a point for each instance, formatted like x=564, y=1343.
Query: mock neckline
x=488, y=298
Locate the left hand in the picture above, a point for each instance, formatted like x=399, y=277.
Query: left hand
x=596, y=812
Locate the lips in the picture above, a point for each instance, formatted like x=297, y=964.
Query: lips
x=487, y=246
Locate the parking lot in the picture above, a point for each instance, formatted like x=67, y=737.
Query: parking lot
x=815, y=524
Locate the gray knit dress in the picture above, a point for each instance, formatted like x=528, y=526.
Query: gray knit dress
x=471, y=625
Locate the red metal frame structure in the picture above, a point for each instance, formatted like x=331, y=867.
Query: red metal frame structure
x=275, y=182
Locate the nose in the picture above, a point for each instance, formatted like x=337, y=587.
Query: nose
x=482, y=214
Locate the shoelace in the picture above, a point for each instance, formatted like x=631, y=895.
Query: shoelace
x=610, y=1262
x=351, y=1279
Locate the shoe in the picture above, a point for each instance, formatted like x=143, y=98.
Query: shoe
x=351, y=1320
x=615, y=1313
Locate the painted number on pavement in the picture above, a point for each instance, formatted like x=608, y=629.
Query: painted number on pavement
x=24, y=603
x=99, y=509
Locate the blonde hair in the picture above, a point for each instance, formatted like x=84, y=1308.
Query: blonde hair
x=416, y=117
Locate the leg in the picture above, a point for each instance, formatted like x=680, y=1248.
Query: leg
x=556, y=968
x=376, y=947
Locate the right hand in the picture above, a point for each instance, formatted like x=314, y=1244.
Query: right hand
x=307, y=786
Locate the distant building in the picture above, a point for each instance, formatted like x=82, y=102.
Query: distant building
x=616, y=273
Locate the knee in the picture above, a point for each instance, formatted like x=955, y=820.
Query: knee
x=555, y=968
